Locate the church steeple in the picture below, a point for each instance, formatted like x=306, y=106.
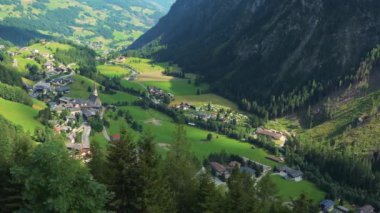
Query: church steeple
x=95, y=92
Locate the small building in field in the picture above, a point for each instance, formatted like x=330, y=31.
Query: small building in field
x=326, y=205
x=115, y=137
x=341, y=209
x=366, y=209
x=290, y=174
x=251, y=172
x=218, y=168
x=276, y=135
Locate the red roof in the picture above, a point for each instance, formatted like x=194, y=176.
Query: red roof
x=115, y=137
x=217, y=167
x=269, y=133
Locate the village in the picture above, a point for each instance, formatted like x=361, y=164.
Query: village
x=69, y=116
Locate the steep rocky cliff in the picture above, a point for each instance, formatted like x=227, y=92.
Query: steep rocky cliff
x=257, y=49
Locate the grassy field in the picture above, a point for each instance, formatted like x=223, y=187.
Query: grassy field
x=288, y=190
x=20, y=114
x=113, y=70
x=22, y=62
x=178, y=87
x=145, y=65
x=163, y=126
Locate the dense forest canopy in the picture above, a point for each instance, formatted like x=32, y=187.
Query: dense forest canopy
x=272, y=55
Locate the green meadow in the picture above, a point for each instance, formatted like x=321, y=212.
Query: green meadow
x=162, y=127
x=113, y=70
x=288, y=189
x=20, y=114
x=144, y=65
x=178, y=87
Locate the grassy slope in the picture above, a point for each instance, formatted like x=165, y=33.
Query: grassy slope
x=113, y=70
x=20, y=114
x=291, y=190
x=163, y=134
x=79, y=89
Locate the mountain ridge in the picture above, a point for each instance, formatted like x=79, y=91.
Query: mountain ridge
x=279, y=47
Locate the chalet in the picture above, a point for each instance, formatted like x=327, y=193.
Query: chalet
x=326, y=205
x=290, y=174
x=49, y=66
x=248, y=170
x=41, y=88
x=88, y=113
x=184, y=106
x=75, y=110
x=341, y=209
x=366, y=209
x=218, y=168
x=234, y=164
x=115, y=137
x=63, y=89
x=275, y=159
x=35, y=51
x=271, y=133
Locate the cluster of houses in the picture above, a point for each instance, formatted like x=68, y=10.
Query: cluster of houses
x=77, y=108
x=184, y=106
x=87, y=108
x=329, y=206
x=47, y=89
x=223, y=172
x=158, y=95
x=208, y=112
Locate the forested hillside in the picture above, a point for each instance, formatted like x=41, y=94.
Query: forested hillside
x=271, y=56
x=99, y=23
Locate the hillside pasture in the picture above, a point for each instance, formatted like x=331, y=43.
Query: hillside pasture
x=20, y=114
x=200, y=147
x=113, y=71
x=288, y=190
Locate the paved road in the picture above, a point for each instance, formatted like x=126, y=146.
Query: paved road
x=105, y=134
x=86, y=136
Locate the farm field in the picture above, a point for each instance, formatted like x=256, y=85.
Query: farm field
x=144, y=65
x=288, y=190
x=163, y=126
x=113, y=70
x=20, y=114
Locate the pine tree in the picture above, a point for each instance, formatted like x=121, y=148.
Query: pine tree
x=98, y=163
x=180, y=168
x=156, y=196
x=209, y=199
x=124, y=177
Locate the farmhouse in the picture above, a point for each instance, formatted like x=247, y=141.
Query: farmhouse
x=341, y=209
x=366, y=209
x=271, y=133
x=218, y=168
x=326, y=205
x=248, y=170
x=291, y=174
x=115, y=137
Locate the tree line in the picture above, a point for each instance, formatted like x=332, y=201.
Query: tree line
x=127, y=176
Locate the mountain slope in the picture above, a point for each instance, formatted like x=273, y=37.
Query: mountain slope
x=98, y=23
x=256, y=49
